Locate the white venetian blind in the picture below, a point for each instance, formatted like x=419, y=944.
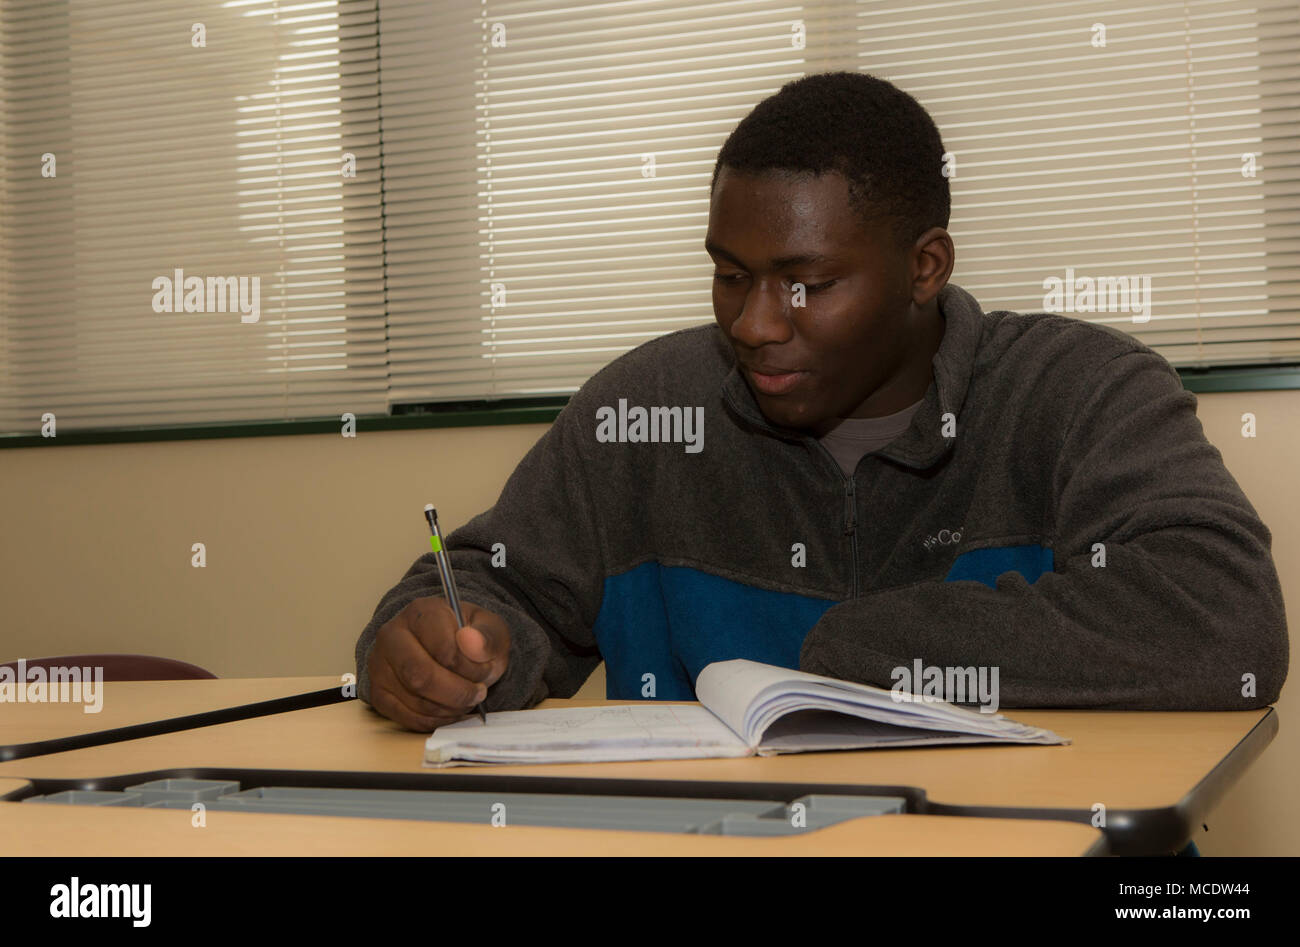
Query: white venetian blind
x=528, y=244
x=545, y=170
x=1131, y=159
x=529, y=238
x=216, y=151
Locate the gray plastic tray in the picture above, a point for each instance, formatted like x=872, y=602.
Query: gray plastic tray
x=183, y=790
x=89, y=797
x=757, y=817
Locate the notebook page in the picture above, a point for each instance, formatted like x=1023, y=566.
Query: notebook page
x=812, y=730
x=727, y=688
x=749, y=697
x=586, y=734
x=774, y=704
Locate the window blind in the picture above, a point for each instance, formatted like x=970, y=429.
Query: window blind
x=546, y=178
x=530, y=240
x=545, y=172
x=1115, y=141
x=206, y=138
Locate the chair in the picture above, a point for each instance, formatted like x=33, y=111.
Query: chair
x=124, y=667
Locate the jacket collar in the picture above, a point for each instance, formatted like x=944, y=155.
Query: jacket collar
x=922, y=444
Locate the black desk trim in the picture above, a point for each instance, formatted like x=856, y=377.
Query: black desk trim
x=18, y=751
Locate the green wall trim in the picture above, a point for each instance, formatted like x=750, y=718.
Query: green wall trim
x=476, y=414
x=1241, y=378
x=535, y=411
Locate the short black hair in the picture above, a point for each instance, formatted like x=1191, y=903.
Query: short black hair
x=872, y=132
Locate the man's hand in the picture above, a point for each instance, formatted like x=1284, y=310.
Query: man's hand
x=426, y=672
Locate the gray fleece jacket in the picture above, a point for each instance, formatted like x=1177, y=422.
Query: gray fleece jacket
x=1053, y=511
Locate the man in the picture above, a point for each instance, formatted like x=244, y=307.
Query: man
x=885, y=478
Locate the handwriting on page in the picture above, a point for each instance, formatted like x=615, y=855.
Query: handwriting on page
x=536, y=729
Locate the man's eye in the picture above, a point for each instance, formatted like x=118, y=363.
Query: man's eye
x=816, y=287
x=809, y=287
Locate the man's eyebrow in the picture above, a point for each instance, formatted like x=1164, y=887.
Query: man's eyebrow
x=777, y=263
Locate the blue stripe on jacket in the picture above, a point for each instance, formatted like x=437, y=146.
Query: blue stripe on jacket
x=672, y=621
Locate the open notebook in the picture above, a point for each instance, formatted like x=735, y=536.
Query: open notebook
x=745, y=708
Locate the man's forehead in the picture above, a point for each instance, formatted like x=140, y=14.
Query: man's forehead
x=790, y=214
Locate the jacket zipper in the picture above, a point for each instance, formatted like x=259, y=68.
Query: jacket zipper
x=850, y=501
x=850, y=509
x=851, y=525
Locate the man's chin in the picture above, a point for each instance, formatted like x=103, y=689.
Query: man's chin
x=798, y=418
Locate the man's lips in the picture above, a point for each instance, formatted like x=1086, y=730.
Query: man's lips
x=774, y=380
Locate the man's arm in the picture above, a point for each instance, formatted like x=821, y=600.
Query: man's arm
x=550, y=587
x=1188, y=602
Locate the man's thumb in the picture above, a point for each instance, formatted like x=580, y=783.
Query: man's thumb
x=474, y=643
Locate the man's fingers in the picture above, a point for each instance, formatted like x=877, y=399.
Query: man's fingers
x=426, y=671
x=478, y=655
x=424, y=704
x=433, y=624
x=392, y=706
x=420, y=674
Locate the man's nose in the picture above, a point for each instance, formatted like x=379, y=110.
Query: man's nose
x=765, y=315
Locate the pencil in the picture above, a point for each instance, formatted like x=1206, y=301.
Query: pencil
x=448, y=580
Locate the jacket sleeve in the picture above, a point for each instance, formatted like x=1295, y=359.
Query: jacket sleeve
x=548, y=591
x=1185, y=613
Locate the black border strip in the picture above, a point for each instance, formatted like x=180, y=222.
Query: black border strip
x=18, y=751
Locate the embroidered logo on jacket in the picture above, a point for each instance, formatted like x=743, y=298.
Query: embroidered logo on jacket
x=945, y=537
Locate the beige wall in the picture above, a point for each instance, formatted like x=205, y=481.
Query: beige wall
x=305, y=533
